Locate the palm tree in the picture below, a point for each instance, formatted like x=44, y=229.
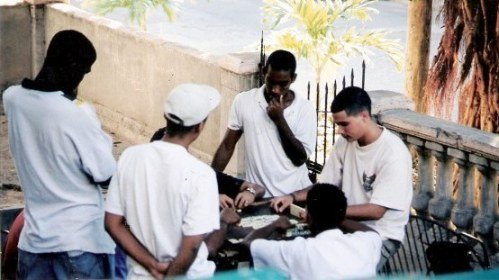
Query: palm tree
x=466, y=67
x=313, y=34
x=137, y=8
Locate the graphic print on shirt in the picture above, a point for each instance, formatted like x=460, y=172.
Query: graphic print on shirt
x=368, y=181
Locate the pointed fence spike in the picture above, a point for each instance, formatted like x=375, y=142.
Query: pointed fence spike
x=351, y=78
x=317, y=109
x=324, y=145
x=308, y=90
x=363, y=73
x=335, y=88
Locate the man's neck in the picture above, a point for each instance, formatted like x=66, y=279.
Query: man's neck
x=41, y=83
x=372, y=134
x=184, y=140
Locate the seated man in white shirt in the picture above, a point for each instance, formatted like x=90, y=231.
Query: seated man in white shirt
x=330, y=253
x=372, y=166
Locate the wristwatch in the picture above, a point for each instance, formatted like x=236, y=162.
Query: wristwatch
x=251, y=190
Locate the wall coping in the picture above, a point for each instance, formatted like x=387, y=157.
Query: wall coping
x=43, y=2
x=239, y=63
x=444, y=132
x=11, y=3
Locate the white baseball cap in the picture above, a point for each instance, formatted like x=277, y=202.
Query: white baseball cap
x=190, y=104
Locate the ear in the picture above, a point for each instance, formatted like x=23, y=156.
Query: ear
x=294, y=78
x=364, y=115
x=265, y=70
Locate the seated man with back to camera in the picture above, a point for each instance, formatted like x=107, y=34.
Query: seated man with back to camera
x=372, y=166
x=279, y=130
x=329, y=253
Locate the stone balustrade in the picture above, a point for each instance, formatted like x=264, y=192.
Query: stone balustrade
x=443, y=149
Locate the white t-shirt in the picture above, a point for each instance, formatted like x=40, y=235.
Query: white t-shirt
x=378, y=173
x=266, y=163
x=330, y=255
x=164, y=193
x=57, y=150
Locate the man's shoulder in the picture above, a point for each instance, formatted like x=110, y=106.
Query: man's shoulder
x=247, y=94
x=13, y=88
x=304, y=105
x=354, y=237
x=136, y=150
x=180, y=155
x=394, y=145
x=201, y=168
x=11, y=92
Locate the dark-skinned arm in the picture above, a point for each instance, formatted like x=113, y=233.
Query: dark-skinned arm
x=215, y=240
x=293, y=148
x=260, y=191
x=366, y=211
x=282, y=223
x=187, y=253
x=125, y=239
x=280, y=203
x=245, y=198
x=226, y=149
x=350, y=226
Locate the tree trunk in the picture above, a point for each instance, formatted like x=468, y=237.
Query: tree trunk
x=463, y=83
x=418, y=49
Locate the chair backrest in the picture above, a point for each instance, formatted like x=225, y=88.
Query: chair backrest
x=420, y=233
x=314, y=168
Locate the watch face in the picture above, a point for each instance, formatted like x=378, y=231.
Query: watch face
x=251, y=190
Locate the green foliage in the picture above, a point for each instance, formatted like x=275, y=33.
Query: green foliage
x=309, y=30
x=137, y=9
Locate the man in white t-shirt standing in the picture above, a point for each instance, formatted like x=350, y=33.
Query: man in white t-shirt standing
x=372, y=166
x=62, y=156
x=337, y=249
x=279, y=130
x=168, y=197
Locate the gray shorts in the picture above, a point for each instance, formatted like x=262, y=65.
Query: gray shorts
x=389, y=247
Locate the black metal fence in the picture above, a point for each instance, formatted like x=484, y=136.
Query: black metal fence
x=326, y=129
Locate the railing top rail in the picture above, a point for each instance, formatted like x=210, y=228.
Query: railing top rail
x=442, y=132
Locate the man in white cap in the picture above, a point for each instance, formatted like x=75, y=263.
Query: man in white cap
x=167, y=197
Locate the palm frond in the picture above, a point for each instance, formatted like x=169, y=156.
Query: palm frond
x=137, y=9
x=308, y=29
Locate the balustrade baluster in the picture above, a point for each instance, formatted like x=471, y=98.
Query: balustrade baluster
x=424, y=186
x=463, y=212
x=440, y=206
x=484, y=221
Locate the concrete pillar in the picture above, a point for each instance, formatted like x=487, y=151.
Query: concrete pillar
x=441, y=205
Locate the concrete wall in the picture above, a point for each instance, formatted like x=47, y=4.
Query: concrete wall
x=135, y=71
x=15, y=43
